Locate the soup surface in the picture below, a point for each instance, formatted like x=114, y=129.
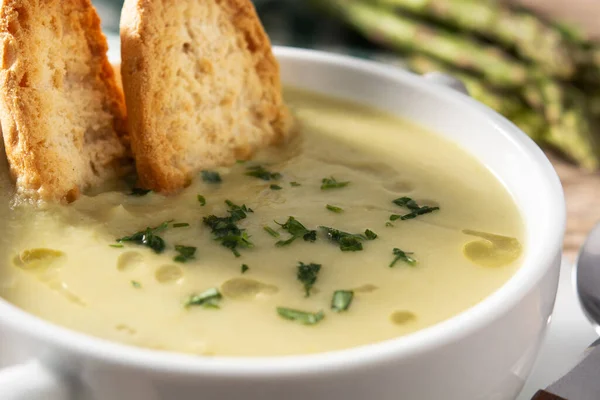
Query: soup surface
x=222, y=269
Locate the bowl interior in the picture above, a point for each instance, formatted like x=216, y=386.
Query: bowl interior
x=491, y=139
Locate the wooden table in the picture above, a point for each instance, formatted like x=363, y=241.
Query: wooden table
x=582, y=191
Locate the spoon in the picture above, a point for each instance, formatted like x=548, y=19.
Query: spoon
x=588, y=277
x=582, y=383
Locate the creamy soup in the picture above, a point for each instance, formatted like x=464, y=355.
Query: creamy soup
x=366, y=228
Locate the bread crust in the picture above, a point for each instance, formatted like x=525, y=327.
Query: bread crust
x=62, y=113
x=248, y=113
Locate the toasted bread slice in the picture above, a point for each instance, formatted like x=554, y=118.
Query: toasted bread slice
x=201, y=84
x=62, y=114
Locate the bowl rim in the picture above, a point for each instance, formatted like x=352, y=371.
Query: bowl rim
x=424, y=340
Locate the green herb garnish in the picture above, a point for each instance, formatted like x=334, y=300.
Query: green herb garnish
x=306, y=318
x=117, y=246
x=389, y=224
x=180, y=225
x=136, y=284
x=148, y=237
x=139, y=192
x=307, y=274
x=201, y=200
x=244, y=268
x=297, y=230
x=400, y=255
x=186, y=253
x=211, y=177
x=225, y=230
x=341, y=300
x=415, y=209
x=332, y=183
x=258, y=171
x=271, y=231
x=348, y=241
x=294, y=184
x=334, y=208
x=208, y=299
x=238, y=212
x=370, y=235
x=275, y=187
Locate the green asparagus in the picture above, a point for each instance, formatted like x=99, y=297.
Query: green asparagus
x=404, y=33
x=517, y=30
x=551, y=89
x=530, y=122
x=505, y=105
x=574, y=135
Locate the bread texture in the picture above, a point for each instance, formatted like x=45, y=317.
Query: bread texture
x=61, y=111
x=202, y=87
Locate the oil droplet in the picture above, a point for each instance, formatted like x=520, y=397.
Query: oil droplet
x=402, y=317
x=493, y=250
x=37, y=259
x=62, y=289
x=168, y=274
x=129, y=260
x=366, y=288
x=125, y=329
x=399, y=186
x=243, y=288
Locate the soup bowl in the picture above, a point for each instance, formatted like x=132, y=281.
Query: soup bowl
x=485, y=352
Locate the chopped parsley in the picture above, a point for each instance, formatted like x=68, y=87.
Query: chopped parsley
x=275, y=187
x=211, y=177
x=370, y=235
x=400, y=255
x=335, y=209
x=201, y=200
x=332, y=183
x=307, y=274
x=414, y=208
x=148, y=237
x=136, y=284
x=186, y=253
x=295, y=184
x=139, y=192
x=271, y=231
x=244, y=268
x=297, y=230
x=306, y=318
x=225, y=230
x=208, y=299
x=341, y=300
x=348, y=241
x=258, y=171
x=238, y=212
x=117, y=246
x=389, y=224
x=181, y=225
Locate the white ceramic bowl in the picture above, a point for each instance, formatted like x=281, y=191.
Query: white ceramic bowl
x=484, y=353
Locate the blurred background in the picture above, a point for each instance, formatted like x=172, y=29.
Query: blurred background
x=537, y=62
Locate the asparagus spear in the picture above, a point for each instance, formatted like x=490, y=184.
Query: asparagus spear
x=568, y=127
x=573, y=135
x=403, y=33
x=531, y=123
x=520, y=31
x=504, y=105
x=508, y=104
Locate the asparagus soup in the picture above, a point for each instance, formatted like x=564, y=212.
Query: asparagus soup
x=364, y=228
